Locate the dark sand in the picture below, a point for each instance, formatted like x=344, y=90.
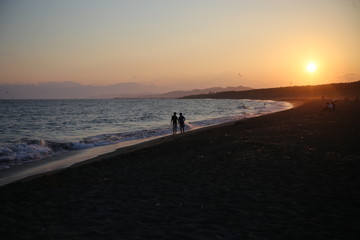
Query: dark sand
x=288, y=175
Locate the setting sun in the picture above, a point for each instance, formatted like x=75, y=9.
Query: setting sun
x=311, y=67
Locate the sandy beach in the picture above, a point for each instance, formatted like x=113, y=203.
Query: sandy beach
x=289, y=175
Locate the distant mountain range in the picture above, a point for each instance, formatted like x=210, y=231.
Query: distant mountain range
x=72, y=90
x=179, y=94
x=349, y=90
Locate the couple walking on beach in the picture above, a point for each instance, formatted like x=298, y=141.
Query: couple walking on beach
x=175, y=120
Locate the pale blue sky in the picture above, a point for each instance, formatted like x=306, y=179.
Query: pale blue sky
x=180, y=44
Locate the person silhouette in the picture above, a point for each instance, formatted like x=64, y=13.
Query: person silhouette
x=182, y=123
x=174, y=121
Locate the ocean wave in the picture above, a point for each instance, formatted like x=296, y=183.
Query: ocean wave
x=28, y=150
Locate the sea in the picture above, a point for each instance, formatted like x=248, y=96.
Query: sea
x=33, y=130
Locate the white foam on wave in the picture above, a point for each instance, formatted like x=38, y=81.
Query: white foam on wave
x=28, y=150
x=20, y=153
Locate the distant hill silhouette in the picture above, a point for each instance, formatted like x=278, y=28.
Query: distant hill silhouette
x=71, y=90
x=329, y=91
x=179, y=94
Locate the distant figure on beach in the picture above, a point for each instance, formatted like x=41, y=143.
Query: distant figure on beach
x=329, y=106
x=182, y=123
x=174, y=121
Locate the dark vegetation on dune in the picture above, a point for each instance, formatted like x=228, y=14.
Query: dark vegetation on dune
x=328, y=91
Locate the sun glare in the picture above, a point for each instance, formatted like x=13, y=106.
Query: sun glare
x=311, y=67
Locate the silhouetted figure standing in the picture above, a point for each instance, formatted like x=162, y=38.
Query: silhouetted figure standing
x=329, y=106
x=182, y=123
x=174, y=121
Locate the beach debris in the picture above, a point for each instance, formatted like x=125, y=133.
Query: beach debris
x=218, y=236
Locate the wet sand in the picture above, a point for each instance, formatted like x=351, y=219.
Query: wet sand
x=288, y=175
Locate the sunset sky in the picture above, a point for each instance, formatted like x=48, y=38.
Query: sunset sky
x=180, y=44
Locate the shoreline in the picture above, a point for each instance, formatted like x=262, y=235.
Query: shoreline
x=56, y=164
x=293, y=174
